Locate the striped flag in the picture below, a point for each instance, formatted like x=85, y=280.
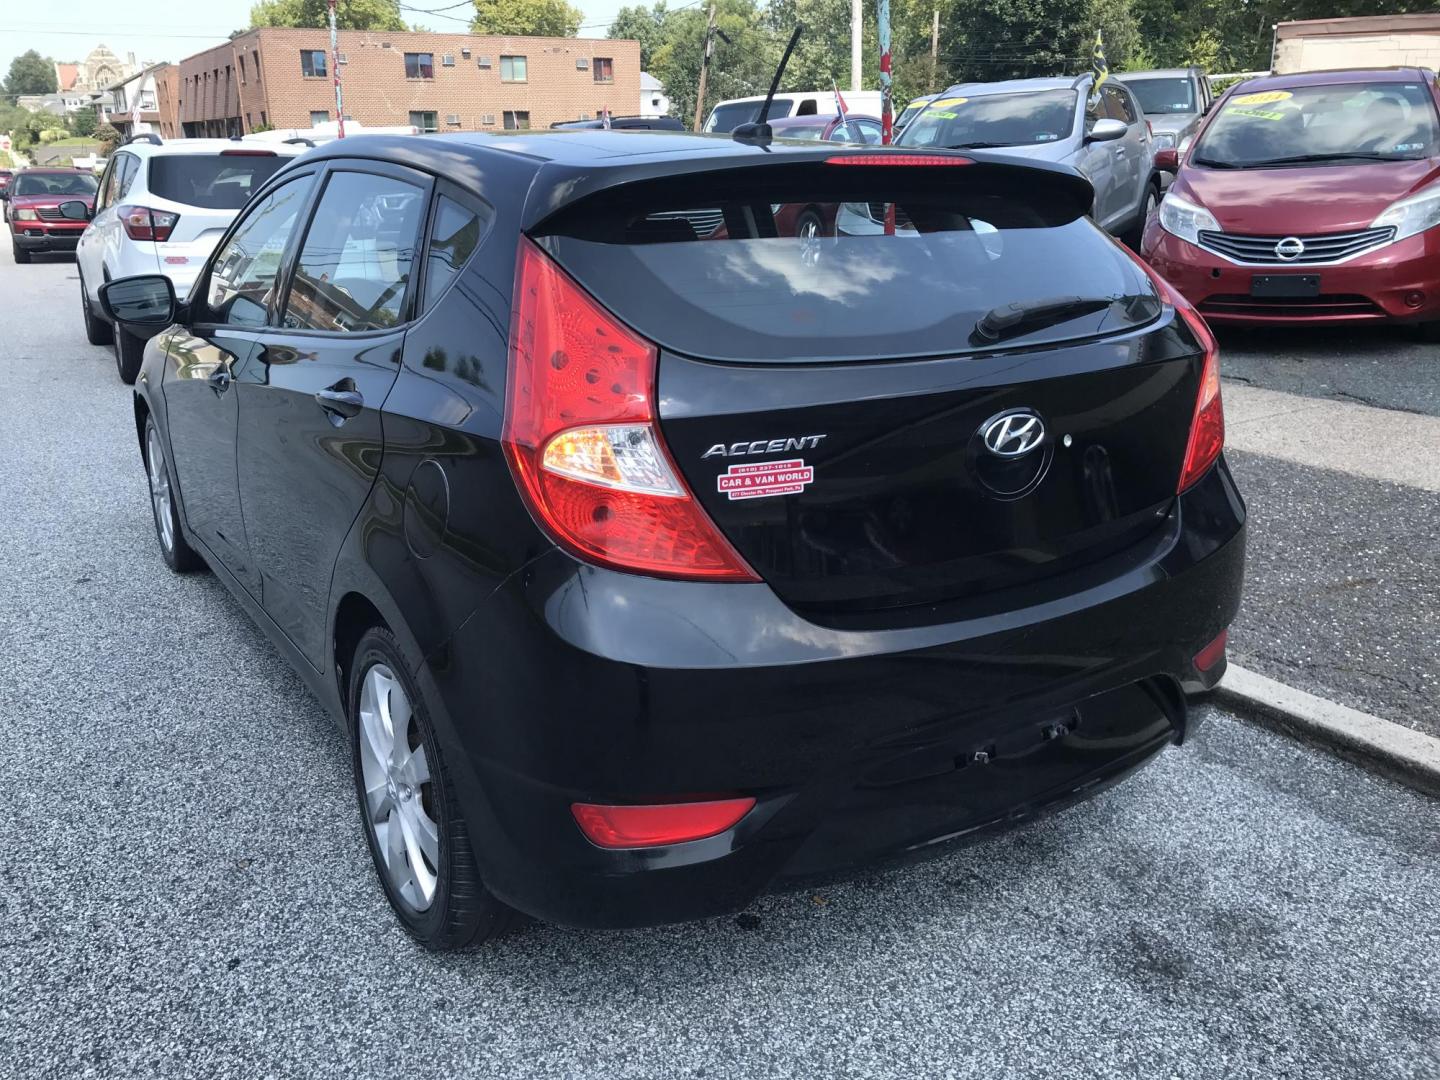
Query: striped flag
x=1097, y=61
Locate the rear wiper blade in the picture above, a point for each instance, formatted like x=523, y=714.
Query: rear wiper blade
x=1024, y=316
x=976, y=145
x=1300, y=159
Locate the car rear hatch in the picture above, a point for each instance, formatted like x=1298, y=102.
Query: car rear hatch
x=971, y=388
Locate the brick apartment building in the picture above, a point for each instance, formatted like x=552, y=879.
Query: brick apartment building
x=281, y=78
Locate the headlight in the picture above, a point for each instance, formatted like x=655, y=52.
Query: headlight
x=1182, y=218
x=1162, y=140
x=1412, y=215
x=24, y=213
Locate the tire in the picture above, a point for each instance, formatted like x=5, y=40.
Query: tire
x=443, y=904
x=129, y=352
x=1148, y=206
x=21, y=255
x=1430, y=332
x=97, y=330
x=809, y=225
x=174, y=549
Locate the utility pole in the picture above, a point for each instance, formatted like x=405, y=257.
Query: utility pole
x=856, y=16
x=335, y=66
x=934, y=49
x=882, y=12
x=704, y=67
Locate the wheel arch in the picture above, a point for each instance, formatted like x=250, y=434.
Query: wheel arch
x=354, y=614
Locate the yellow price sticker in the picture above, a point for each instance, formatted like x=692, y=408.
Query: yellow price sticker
x=949, y=102
x=1268, y=97
x=1258, y=114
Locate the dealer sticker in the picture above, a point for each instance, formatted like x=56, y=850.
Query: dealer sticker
x=760, y=479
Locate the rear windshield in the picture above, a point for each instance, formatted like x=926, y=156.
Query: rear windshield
x=55, y=184
x=808, y=267
x=726, y=118
x=1322, y=125
x=994, y=120
x=219, y=182
x=1161, y=96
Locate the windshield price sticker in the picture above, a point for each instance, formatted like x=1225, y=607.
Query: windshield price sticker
x=1258, y=114
x=948, y=103
x=762, y=479
x=1269, y=97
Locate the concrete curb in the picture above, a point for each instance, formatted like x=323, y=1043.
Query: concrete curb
x=1409, y=756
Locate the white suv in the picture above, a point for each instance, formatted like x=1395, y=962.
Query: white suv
x=161, y=208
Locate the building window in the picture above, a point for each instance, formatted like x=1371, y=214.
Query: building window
x=242, y=71
x=319, y=116
x=448, y=60
x=517, y=121
x=419, y=65
x=312, y=63
x=604, y=69
x=512, y=69
x=263, y=122
x=453, y=120
x=255, y=57
x=582, y=63
x=425, y=121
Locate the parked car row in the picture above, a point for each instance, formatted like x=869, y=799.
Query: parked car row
x=931, y=528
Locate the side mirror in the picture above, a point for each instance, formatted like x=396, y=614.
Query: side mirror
x=4, y=194
x=1167, y=160
x=1107, y=130
x=145, y=302
x=75, y=210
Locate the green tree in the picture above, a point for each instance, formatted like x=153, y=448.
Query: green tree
x=739, y=67
x=349, y=14
x=642, y=24
x=30, y=73
x=84, y=122
x=108, y=138
x=540, y=18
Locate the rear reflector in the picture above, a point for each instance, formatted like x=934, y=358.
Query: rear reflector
x=657, y=825
x=898, y=159
x=1207, y=426
x=581, y=439
x=1213, y=653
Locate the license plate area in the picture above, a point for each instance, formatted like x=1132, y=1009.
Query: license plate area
x=1285, y=286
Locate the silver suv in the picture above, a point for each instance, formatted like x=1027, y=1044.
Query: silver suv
x=1103, y=134
x=1174, y=100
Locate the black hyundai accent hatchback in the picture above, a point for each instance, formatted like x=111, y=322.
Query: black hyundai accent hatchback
x=651, y=556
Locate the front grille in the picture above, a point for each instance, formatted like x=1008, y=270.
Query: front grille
x=1327, y=248
x=878, y=210
x=1304, y=307
x=49, y=213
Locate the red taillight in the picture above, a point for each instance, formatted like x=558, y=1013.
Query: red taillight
x=1207, y=426
x=582, y=442
x=1213, y=653
x=652, y=826
x=142, y=223
x=898, y=159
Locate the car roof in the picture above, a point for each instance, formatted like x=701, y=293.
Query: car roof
x=1158, y=73
x=62, y=170
x=1337, y=76
x=1017, y=86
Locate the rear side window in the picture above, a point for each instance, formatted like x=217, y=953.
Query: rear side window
x=715, y=267
x=454, y=236
x=221, y=181
x=355, y=265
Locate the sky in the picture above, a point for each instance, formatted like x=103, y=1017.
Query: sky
x=71, y=29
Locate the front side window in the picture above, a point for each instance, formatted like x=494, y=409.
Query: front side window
x=512, y=69
x=454, y=237
x=242, y=281
x=517, y=121
x=1319, y=125
x=355, y=264
x=419, y=65
x=1159, y=97
x=425, y=121
x=604, y=69
x=993, y=120
x=312, y=63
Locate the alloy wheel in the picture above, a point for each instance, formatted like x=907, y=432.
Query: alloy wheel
x=398, y=789
x=159, y=488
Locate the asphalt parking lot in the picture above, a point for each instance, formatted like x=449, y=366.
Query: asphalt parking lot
x=185, y=891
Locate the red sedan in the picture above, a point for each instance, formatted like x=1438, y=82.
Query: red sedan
x=37, y=223
x=1309, y=198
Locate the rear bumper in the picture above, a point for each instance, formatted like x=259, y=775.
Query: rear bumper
x=1399, y=282
x=577, y=684
x=30, y=236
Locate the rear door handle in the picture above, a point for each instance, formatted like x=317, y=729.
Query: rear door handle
x=342, y=403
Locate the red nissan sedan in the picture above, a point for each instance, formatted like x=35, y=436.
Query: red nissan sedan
x=1309, y=198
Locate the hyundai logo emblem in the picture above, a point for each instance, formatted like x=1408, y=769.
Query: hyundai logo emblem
x=1289, y=249
x=1013, y=434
